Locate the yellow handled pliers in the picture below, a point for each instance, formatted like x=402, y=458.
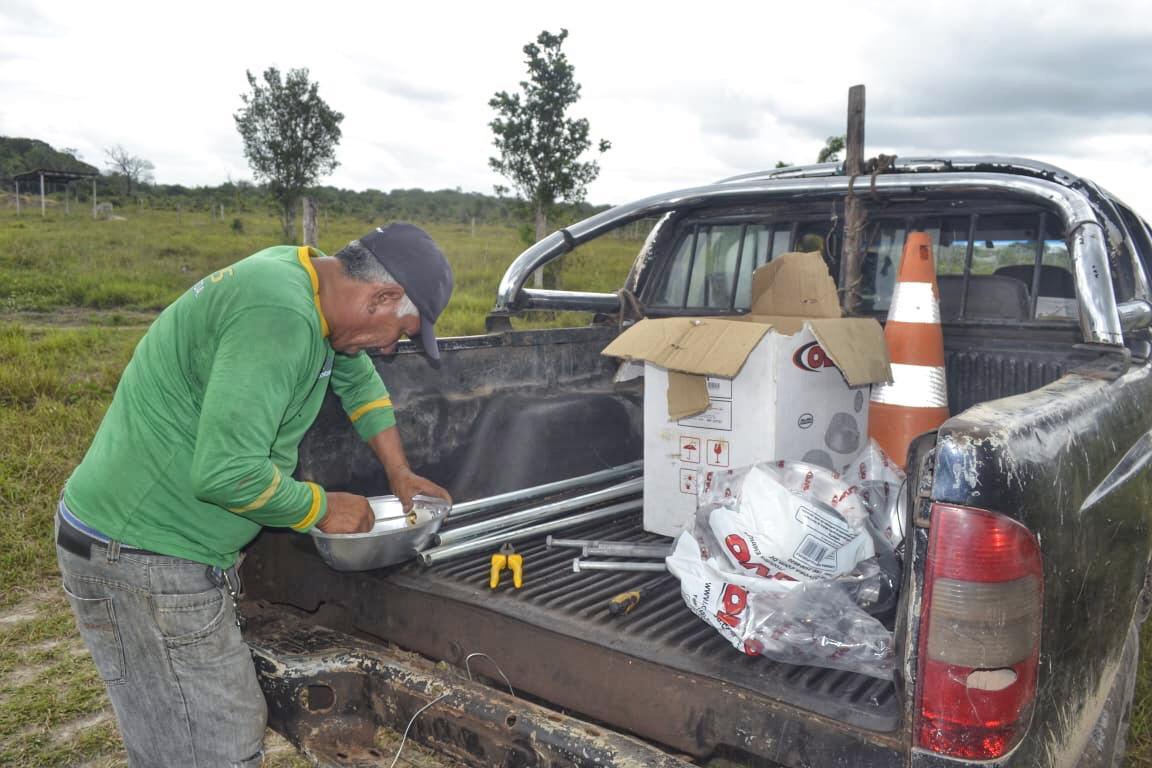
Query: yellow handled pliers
x=507, y=558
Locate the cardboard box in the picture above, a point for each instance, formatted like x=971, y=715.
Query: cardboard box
x=790, y=380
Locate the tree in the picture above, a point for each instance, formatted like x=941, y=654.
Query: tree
x=540, y=146
x=831, y=151
x=290, y=136
x=129, y=167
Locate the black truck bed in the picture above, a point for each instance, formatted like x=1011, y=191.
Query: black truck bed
x=556, y=640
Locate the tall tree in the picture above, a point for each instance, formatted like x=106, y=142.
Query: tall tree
x=540, y=146
x=129, y=167
x=290, y=136
x=831, y=150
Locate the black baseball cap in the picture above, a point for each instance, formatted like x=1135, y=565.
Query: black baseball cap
x=418, y=265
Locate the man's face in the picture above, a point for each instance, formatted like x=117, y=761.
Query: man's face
x=367, y=320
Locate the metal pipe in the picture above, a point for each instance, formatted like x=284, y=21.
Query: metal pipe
x=1087, y=245
x=447, y=552
x=1135, y=314
x=553, y=509
x=579, y=565
x=476, y=506
x=582, y=301
x=594, y=548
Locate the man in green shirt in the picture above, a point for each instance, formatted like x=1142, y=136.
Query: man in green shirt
x=196, y=454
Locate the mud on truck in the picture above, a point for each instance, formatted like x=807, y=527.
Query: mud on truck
x=1022, y=573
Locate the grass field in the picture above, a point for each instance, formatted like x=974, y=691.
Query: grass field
x=145, y=261
x=75, y=297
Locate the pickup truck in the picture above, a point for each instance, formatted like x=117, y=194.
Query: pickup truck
x=1025, y=564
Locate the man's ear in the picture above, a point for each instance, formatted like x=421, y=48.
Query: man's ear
x=388, y=292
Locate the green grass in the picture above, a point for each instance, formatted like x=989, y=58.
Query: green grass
x=60, y=686
x=55, y=385
x=102, y=281
x=145, y=261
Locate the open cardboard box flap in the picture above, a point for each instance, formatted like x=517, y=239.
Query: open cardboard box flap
x=795, y=285
x=710, y=346
x=792, y=290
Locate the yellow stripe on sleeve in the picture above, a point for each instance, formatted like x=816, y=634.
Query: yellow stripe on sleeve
x=384, y=402
x=313, y=511
x=263, y=498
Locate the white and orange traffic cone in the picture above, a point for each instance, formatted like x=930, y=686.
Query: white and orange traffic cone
x=917, y=399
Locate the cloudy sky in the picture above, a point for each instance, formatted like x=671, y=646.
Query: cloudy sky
x=686, y=94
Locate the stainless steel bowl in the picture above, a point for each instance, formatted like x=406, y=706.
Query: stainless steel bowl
x=392, y=540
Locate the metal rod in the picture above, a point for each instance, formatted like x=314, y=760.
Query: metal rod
x=447, y=552
x=476, y=506
x=739, y=262
x=624, y=549
x=594, y=548
x=973, y=221
x=573, y=543
x=579, y=565
x=553, y=509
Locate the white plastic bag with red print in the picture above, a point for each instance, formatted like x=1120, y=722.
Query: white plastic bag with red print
x=787, y=520
x=782, y=558
x=879, y=481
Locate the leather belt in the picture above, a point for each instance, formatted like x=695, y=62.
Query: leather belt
x=80, y=543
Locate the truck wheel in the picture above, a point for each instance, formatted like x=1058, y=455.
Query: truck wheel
x=1109, y=738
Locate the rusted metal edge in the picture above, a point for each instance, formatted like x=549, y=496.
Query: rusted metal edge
x=328, y=693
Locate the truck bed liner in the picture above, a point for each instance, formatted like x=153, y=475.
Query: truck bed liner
x=661, y=628
x=659, y=671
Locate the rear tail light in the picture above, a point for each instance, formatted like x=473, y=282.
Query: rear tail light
x=979, y=634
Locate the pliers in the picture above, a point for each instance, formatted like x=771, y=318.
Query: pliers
x=507, y=558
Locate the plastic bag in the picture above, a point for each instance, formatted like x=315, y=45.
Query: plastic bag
x=812, y=623
x=783, y=559
x=783, y=519
x=880, y=482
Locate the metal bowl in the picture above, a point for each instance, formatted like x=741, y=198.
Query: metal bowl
x=392, y=540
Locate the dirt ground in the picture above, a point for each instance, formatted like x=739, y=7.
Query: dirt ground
x=54, y=711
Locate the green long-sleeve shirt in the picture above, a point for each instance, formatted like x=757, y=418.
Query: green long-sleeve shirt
x=198, y=447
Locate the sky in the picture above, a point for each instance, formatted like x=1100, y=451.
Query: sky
x=686, y=94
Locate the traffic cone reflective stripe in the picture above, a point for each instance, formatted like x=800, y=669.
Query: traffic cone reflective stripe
x=917, y=399
x=915, y=303
x=915, y=386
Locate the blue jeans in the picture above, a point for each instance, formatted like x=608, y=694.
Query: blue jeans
x=164, y=638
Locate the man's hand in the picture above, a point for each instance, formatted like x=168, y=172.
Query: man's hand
x=401, y=479
x=406, y=484
x=347, y=513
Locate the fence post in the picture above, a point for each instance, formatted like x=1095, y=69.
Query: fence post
x=310, y=222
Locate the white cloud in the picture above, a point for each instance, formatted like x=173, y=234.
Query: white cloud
x=684, y=97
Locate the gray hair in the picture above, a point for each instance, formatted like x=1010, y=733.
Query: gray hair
x=359, y=264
